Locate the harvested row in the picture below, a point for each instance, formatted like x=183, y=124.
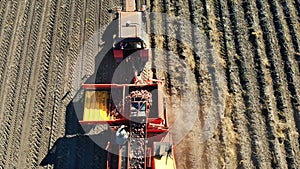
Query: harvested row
x=16, y=76
x=3, y=13
x=90, y=49
x=38, y=123
x=8, y=95
x=36, y=15
x=61, y=44
x=74, y=48
x=6, y=39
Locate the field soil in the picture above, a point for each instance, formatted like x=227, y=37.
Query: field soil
x=231, y=71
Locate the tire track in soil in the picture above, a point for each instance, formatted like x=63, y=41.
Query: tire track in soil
x=7, y=36
x=77, y=26
x=6, y=39
x=33, y=42
x=7, y=92
x=265, y=100
x=41, y=115
x=21, y=62
x=3, y=14
x=291, y=144
x=61, y=45
x=75, y=44
x=90, y=50
x=85, y=153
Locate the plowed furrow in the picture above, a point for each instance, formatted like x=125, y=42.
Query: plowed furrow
x=157, y=41
x=167, y=44
x=6, y=40
x=228, y=136
x=38, y=126
x=289, y=64
x=269, y=43
x=274, y=68
x=152, y=42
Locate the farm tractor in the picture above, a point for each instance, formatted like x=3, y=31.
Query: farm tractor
x=135, y=113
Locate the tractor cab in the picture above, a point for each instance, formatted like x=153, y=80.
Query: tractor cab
x=126, y=47
x=131, y=36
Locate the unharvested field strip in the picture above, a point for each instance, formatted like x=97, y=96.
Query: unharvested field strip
x=297, y=6
x=185, y=51
x=292, y=23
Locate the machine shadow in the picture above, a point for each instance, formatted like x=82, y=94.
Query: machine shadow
x=76, y=149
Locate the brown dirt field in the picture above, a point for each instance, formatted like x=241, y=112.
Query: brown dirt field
x=244, y=80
